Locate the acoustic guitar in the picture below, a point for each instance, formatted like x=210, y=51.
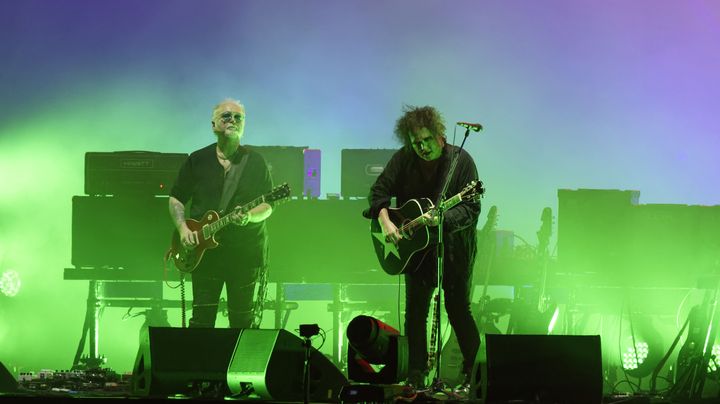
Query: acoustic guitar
x=409, y=251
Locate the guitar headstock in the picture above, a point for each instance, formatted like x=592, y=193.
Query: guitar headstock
x=472, y=191
x=278, y=194
x=545, y=229
x=491, y=221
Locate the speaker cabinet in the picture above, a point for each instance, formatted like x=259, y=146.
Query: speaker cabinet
x=563, y=369
x=305, y=257
x=100, y=240
x=183, y=361
x=8, y=384
x=285, y=164
x=216, y=362
x=359, y=168
x=272, y=363
x=131, y=172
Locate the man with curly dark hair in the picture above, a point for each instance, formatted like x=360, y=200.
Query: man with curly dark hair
x=418, y=170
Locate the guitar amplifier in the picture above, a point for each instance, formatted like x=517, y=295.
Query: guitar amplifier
x=360, y=168
x=131, y=172
x=286, y=165
x=132, y=233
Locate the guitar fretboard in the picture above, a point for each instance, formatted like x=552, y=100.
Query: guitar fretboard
x=211, y=228
x=452, y=201
x=446, y=204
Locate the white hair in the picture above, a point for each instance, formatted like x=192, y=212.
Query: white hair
x=228, y=101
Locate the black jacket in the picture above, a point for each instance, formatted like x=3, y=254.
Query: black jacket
x=200, y=182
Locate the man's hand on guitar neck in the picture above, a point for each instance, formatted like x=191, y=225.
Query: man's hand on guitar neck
x=389, y=229
x=430, y=218
x=257, y=214
x=239, y=218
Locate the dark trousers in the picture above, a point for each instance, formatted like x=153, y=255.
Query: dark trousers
x=418, y=293
x=207, y=283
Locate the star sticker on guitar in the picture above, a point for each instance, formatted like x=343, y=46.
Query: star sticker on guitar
x=388, y=246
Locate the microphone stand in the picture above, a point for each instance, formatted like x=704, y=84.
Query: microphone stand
x=306, y=370
x=440, y=211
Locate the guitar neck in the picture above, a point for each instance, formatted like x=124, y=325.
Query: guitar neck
x=452, y=201
x=219, y=224
x=446, y=204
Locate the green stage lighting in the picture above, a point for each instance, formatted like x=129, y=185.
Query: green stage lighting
x=9, y=283
x=634, y=357
x=714, y=363
x=643, y=348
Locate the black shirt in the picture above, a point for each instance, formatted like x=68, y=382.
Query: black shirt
x=407, y=176
x=201, y=181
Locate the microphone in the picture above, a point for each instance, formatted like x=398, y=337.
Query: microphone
x=475, y=127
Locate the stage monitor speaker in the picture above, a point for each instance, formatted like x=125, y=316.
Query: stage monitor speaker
x=563, y=369
x=270, y=363
x=8, y=384
x=174, y=361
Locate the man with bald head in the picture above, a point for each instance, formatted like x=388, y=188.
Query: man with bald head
x=224, y=167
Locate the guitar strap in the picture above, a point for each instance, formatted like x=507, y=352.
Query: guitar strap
x=231, y=182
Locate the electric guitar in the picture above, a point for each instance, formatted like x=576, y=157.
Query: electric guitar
x=536, y=314
x=187, y=259
x=408, y=253
x=485, y=318
x=487, y=241
x=543, y=254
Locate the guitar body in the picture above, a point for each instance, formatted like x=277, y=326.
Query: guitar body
x=412, y=248
x=186, y=260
